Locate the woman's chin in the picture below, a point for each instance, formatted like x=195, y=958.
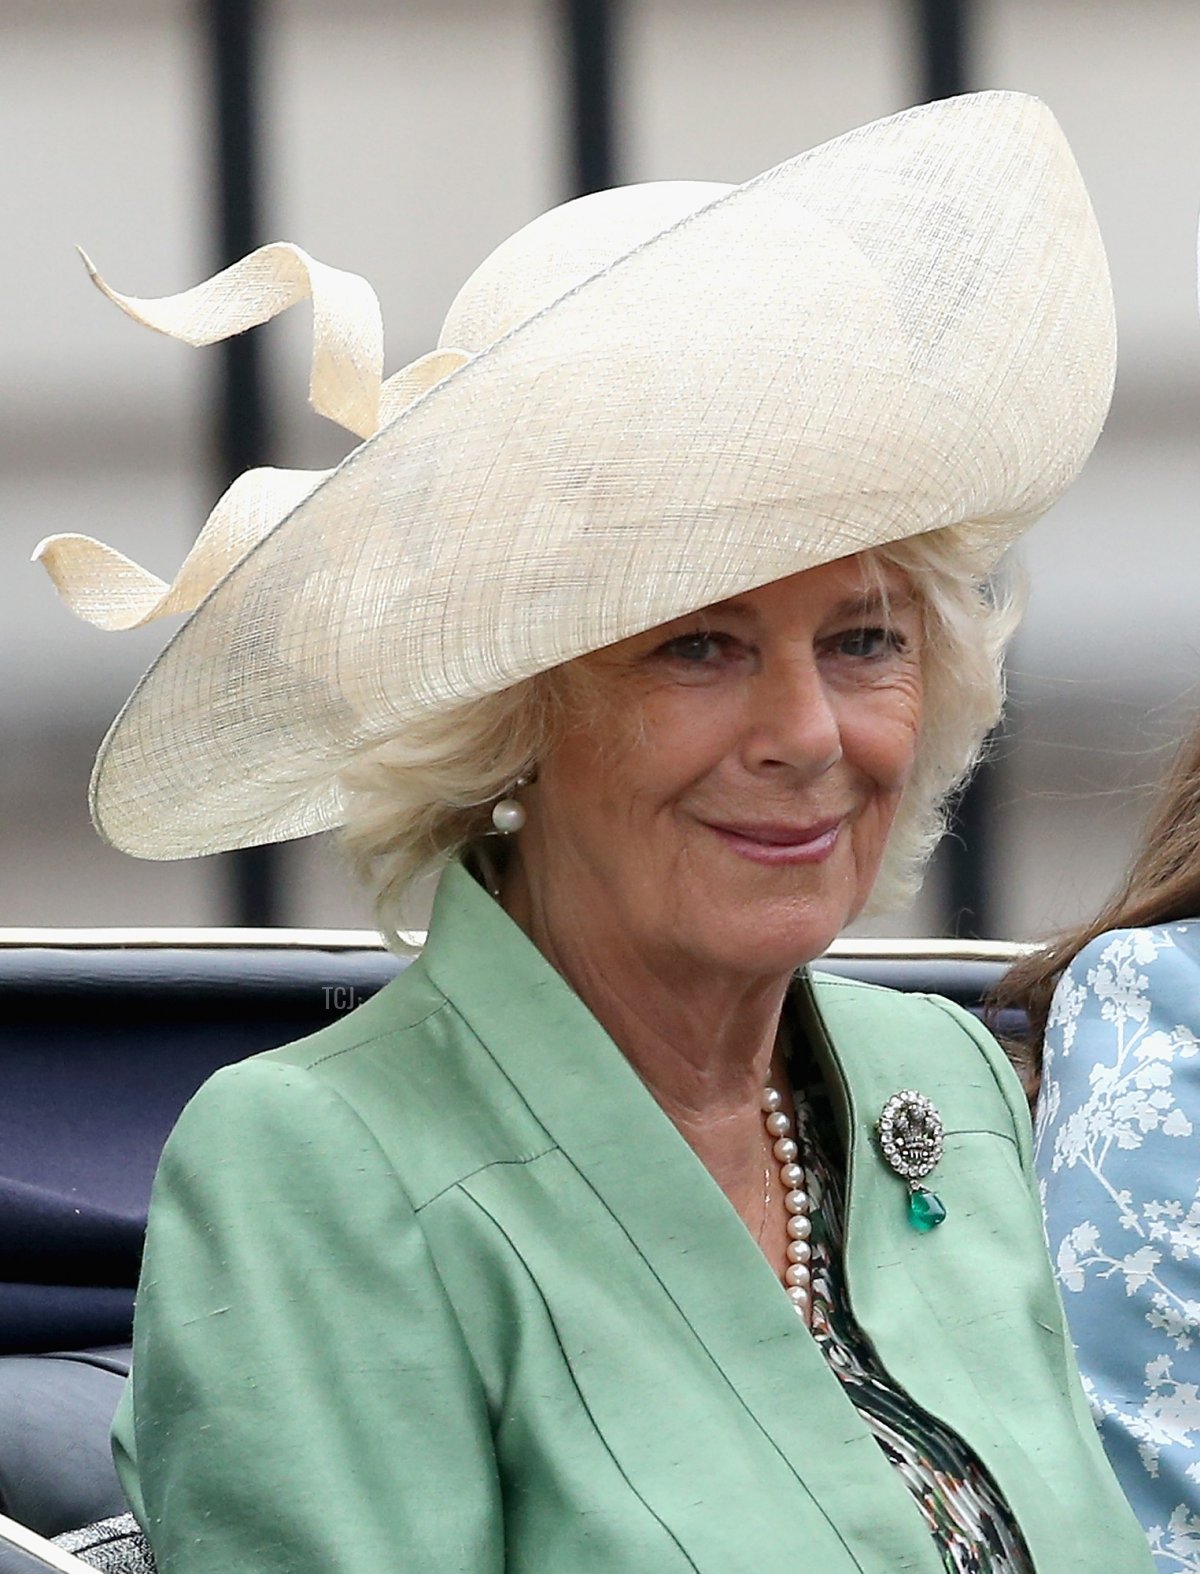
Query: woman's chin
x=763, y=943
x=775, y=918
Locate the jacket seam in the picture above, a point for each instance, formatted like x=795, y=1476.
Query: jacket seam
x=948, y=1010
x=495, y=1062
x=820, y=981
x=482, y=1169
x=650, y=1267
x=396, y=1179
x=458, y=1180
x=373, y=1038
x=569, y=1368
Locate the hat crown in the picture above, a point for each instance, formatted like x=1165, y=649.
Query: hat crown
x=562, y=248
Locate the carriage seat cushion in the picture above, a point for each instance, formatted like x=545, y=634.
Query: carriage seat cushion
x=56, y=1468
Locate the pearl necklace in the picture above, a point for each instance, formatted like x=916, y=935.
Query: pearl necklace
x=798, y=1277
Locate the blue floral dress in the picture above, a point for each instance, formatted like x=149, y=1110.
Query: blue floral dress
x=1118, y=1155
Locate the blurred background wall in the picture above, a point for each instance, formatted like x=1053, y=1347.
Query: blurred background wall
x=403, y=142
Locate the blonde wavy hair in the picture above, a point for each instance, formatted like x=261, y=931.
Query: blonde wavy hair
x=415, y=802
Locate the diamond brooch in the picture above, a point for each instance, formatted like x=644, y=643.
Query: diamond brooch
x=910, y=1136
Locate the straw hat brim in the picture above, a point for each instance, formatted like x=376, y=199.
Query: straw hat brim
x=907, y=329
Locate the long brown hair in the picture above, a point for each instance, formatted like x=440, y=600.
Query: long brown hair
x=1161, y=887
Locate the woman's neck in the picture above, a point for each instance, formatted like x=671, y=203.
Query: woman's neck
x=703, y=1041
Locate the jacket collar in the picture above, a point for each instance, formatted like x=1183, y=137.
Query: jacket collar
x=682, y=1228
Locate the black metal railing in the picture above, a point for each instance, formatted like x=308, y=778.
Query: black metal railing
x=241, y=429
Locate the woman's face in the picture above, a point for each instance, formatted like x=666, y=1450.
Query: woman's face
x=727, y=793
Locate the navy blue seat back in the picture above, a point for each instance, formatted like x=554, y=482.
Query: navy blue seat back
x=100, y=1048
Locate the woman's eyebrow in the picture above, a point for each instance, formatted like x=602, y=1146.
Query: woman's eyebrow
x=871, y=603
x=864, y=604
x=740, y=608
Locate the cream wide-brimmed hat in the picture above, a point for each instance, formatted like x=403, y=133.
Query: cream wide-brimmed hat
x=643, y=402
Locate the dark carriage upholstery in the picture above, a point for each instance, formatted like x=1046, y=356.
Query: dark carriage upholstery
x=103, y=1038
x=100, y=1047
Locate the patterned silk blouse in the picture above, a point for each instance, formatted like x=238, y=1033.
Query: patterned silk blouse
x=968, y=1519
x=1118, y=1154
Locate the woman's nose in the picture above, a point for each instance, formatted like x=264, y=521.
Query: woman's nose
x=793, y=722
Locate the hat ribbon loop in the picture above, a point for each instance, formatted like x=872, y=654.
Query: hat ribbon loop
x=107, y=589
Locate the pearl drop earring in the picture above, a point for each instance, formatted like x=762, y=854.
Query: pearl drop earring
x=508, y=815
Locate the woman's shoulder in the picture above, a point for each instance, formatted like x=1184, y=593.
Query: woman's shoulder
x=1129, y=977
x=398, y=1075
x=934, y=1019
x=1162, y=946
x=932, y=1044
x=1121, y=1058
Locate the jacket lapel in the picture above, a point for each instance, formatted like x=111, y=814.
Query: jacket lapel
x=682, y=1231
x=965, y=1316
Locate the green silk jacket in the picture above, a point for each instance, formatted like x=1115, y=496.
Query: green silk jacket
x=441, y=1288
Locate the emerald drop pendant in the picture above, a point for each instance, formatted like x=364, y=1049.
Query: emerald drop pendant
x=925, y=1209
x=910, y=1135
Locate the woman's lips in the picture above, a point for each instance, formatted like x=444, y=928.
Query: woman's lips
x=780, y=844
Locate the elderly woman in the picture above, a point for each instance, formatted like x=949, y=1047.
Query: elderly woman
x=653, y=613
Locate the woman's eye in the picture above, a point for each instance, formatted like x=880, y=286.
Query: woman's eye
x=695, y=649
x=865, y=643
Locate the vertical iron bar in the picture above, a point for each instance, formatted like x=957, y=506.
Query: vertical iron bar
x=967, y=857
x=944, y=35
x=590, y=28
x=241, y=430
